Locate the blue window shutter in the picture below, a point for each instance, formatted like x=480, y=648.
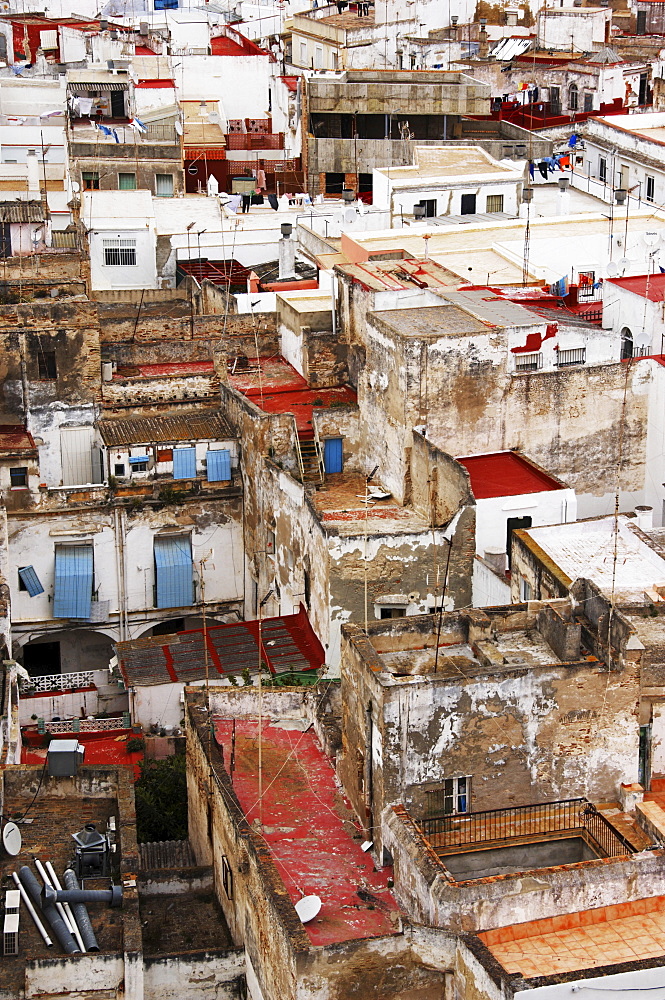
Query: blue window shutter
x=30, y=580
x=332, y=455
x=73, y=581
x=173, y=570
x=219, y=465
x=137, y=459
x=184, y=463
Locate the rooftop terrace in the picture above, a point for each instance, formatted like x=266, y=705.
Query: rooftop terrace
x=308, y=826
x=506, y=474
x=341, y=504
x=608, y=935
x=275, y=386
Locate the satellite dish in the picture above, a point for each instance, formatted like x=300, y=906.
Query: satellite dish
x=307, y=908
x=624, y=262
x=650, y=239
x=612, y=270
x=350, y=215
x=11, y=839
x=214, y=118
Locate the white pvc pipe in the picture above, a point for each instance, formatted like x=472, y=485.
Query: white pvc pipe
x=60, y=908
x=68, y=910
x=31, y=910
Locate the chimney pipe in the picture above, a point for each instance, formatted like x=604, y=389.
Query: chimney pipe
x=33, y=174
x=287, y=254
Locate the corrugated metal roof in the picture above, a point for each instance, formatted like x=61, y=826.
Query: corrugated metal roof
x=22, y=211
x=289, y=643
x=166, y=854
x=96, y=86
x=509, y=48
x=190, y=426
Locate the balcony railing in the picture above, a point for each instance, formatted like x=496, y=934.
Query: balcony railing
x=574, y=356
x=84, y=725
x=532, y=821
x=63, y=682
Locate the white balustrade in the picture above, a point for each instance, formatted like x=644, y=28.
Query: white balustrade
x=63, y=682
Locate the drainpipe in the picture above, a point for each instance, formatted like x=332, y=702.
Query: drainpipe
x=119, y=525
x=51, y=915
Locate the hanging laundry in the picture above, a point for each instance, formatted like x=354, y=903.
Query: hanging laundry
x=532, y=170
x=260, y=179
x=85, y=105
x=542, y=168
x=233, y=204
x=272, y=201
x=115, y=135
x=105, y=130
x=572, y=142
x=535, y=94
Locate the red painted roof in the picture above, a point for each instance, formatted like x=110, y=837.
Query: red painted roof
x=291, y=82
x=282, y=390
x=235, y=45
x=170, y=368
x=638, y=285
x=143, y=50
x=311, y=843
x=506, y=474
x=156, y=84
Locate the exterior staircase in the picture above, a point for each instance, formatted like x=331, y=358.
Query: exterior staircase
x=310, y=460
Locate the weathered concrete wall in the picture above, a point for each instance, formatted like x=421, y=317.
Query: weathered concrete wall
x=202, y=976
x=515, y=729
x=344, y=422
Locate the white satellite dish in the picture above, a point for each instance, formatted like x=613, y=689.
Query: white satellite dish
x=624, y=262
x=650, y=239
x=11, y=839
x=307, y=908
x=612, y=270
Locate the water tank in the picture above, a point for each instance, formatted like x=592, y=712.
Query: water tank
x=107, y=371
x=64, y=757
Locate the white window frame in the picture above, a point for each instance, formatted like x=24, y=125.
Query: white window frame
x=455, y=790
x=119, y=252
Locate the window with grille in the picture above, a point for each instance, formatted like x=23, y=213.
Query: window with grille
x=588, y=102
x=650, y=189
x=453, y=797
x=46, y=365
x=119, y=253
x=18, y=477
x=574, y=356
x=528, y=362
x=495, y=203
x=90, y=180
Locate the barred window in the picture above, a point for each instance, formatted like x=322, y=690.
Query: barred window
x=119, y=253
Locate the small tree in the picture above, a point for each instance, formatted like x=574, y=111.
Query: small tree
x=161, y=800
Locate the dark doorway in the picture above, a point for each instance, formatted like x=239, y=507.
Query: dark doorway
x=644, y=775
x=117, y=104
x=642, y=96
x=170, y=627
x=468, y=204
x=334, y=183
x=42, y=658
x=511, y=524
x=641, y=28
x=430, y=207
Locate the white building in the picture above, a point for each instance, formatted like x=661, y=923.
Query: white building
x=573, y=29
x=626, y=151
x=633, y=309
x=511, y=492
x=453, y=180
x=122, y=241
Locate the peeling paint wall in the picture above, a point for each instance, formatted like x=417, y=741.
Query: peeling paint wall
x=522, y=731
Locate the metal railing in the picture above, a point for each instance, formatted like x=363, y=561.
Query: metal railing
x=539, y=819
x=63, y=682
x=528, y=362
x=574, y=356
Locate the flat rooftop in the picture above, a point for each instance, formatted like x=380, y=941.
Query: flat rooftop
x=506, y=474
x=309, y=827
x=47, y=835
x=394, y=275
x=648, y=126
x=607, y=935
x=430, y=321
x=340, y=503
x=588, y=549
x=650, y=286
x=451, y=161
x=275, y=386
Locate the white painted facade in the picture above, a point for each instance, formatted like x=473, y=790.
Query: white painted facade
x=627, y=313
x=548, y=507
x=122, y=240
x=436, y=177
x=626, y=151
x=573, y=29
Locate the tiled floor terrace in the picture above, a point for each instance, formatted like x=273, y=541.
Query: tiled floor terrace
x=604, y=936
x=340, y=501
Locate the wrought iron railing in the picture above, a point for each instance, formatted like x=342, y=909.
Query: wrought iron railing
x=63, y=682
x=84, y=725
x=539, y=819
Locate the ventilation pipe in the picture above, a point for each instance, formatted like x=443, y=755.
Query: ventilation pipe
x=51, y=915
x=112, y=896
x=287, y=253
x=81, y=913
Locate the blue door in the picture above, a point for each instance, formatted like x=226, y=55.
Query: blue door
x=332, y=455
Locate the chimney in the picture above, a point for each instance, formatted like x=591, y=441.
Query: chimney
x=483, y=47
x=644, y=516
x=33, y=174
x=287, y=253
